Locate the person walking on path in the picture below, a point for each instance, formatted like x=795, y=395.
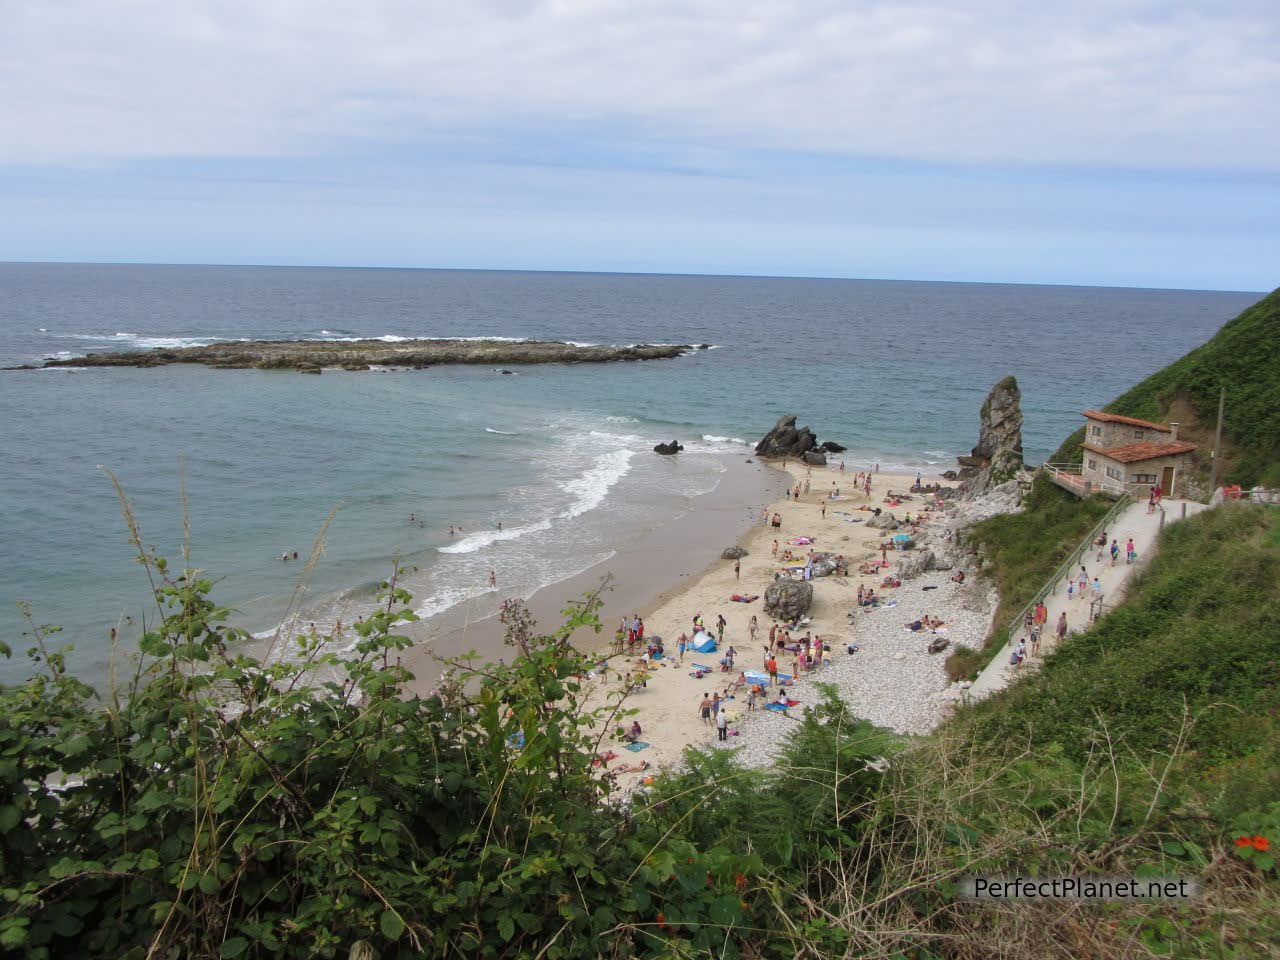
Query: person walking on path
x=1115, y=552
x=1130, y=553
x=722, y=726
x=705, y=709
x=1062, y=626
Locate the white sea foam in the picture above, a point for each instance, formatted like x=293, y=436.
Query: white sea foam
x=501, y=433
x=142, y=342
x=594, y=485
x=474, y=541
x=446, y=599
x=712, y=438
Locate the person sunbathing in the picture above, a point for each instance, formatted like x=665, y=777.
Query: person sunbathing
x=958, y=577
x=632, y=767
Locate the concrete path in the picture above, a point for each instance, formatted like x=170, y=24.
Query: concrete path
x=1134, y=522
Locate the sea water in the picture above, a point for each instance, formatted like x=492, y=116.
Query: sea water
x=560, y=456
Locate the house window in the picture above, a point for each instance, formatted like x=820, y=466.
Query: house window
x=1115, y=474
x=1143, y=478
x=1097, y=431
x=1093, y=464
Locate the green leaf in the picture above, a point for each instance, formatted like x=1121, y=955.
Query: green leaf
x=234, y=946
x=506, y=927
x=1173, y=848
x=391, y=924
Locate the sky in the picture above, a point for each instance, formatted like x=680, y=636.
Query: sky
x=1119, y=142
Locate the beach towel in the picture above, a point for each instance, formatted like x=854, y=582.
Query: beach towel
x=705, y=643
x=741, y=598
x=775, y=706
x=637, y=746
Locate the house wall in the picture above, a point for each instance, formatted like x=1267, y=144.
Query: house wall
x=1137, y=477
x=1119, y=434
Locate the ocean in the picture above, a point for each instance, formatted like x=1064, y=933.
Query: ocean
x=560, y=456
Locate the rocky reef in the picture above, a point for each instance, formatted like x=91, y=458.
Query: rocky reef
x=312, y=356
x=786, y=440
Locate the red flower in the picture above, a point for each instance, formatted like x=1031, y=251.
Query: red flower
x=1244, y=842
x=1261, y=843
x=739, y=880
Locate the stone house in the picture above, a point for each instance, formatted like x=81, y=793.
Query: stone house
x=1137, y=454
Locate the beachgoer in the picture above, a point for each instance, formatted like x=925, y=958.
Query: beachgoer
x=824, y=509
x=493, y=579
x=1019, y=654
x=632, y=735
x=639, y=629
x=737, y=569
x=751, y=697
x=1131, y=554
x=1062, y=626
x=773, y=636
x=704, y=708
x=752, y=627
x=722, y=726
x=771, y=665
x=1115, y=552
x=1071, y=590
x=715, y=704
x=680, y=645
x=721, y=623
x=775, y=548
x=1097, y=589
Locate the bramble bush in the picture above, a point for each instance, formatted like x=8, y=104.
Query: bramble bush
x=310, y=805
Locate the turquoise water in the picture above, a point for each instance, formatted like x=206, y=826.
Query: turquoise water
x=559, y=455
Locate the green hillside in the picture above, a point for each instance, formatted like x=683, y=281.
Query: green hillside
x=1244, y=357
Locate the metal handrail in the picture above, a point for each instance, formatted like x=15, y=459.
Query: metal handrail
x=1069, y=564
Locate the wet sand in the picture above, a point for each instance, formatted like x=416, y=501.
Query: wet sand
x=644, y=574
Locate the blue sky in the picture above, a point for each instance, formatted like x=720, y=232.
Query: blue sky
x=1125, y=143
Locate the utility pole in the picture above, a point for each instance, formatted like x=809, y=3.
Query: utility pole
x=1217, y=443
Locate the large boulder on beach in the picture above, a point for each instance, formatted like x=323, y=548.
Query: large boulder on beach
x=732, y=553
x=830, y=446
x=914, y=564
x=788, y=600
x=668, y=449
x=815, y=458
x=886, y=521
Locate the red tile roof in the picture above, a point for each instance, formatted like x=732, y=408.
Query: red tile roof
x=1146, y=450
x=1131, y=421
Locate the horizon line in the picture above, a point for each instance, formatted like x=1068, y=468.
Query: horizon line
x=614, y=273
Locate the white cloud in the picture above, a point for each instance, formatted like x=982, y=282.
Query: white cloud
x=1121, y=83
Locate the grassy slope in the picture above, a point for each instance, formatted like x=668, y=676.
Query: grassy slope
x=1244, y=357
x=1198, y=635
x=1024, y=549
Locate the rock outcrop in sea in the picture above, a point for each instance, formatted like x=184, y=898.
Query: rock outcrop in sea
x=668, y=449
x=787, y=440
x=311, y=356
x=998, y=456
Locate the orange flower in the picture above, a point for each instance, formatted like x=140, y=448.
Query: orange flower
x=1244, y=842
x=739, y=880
x=1261, y=843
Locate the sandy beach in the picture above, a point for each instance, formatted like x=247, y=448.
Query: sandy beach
x=892, y=678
